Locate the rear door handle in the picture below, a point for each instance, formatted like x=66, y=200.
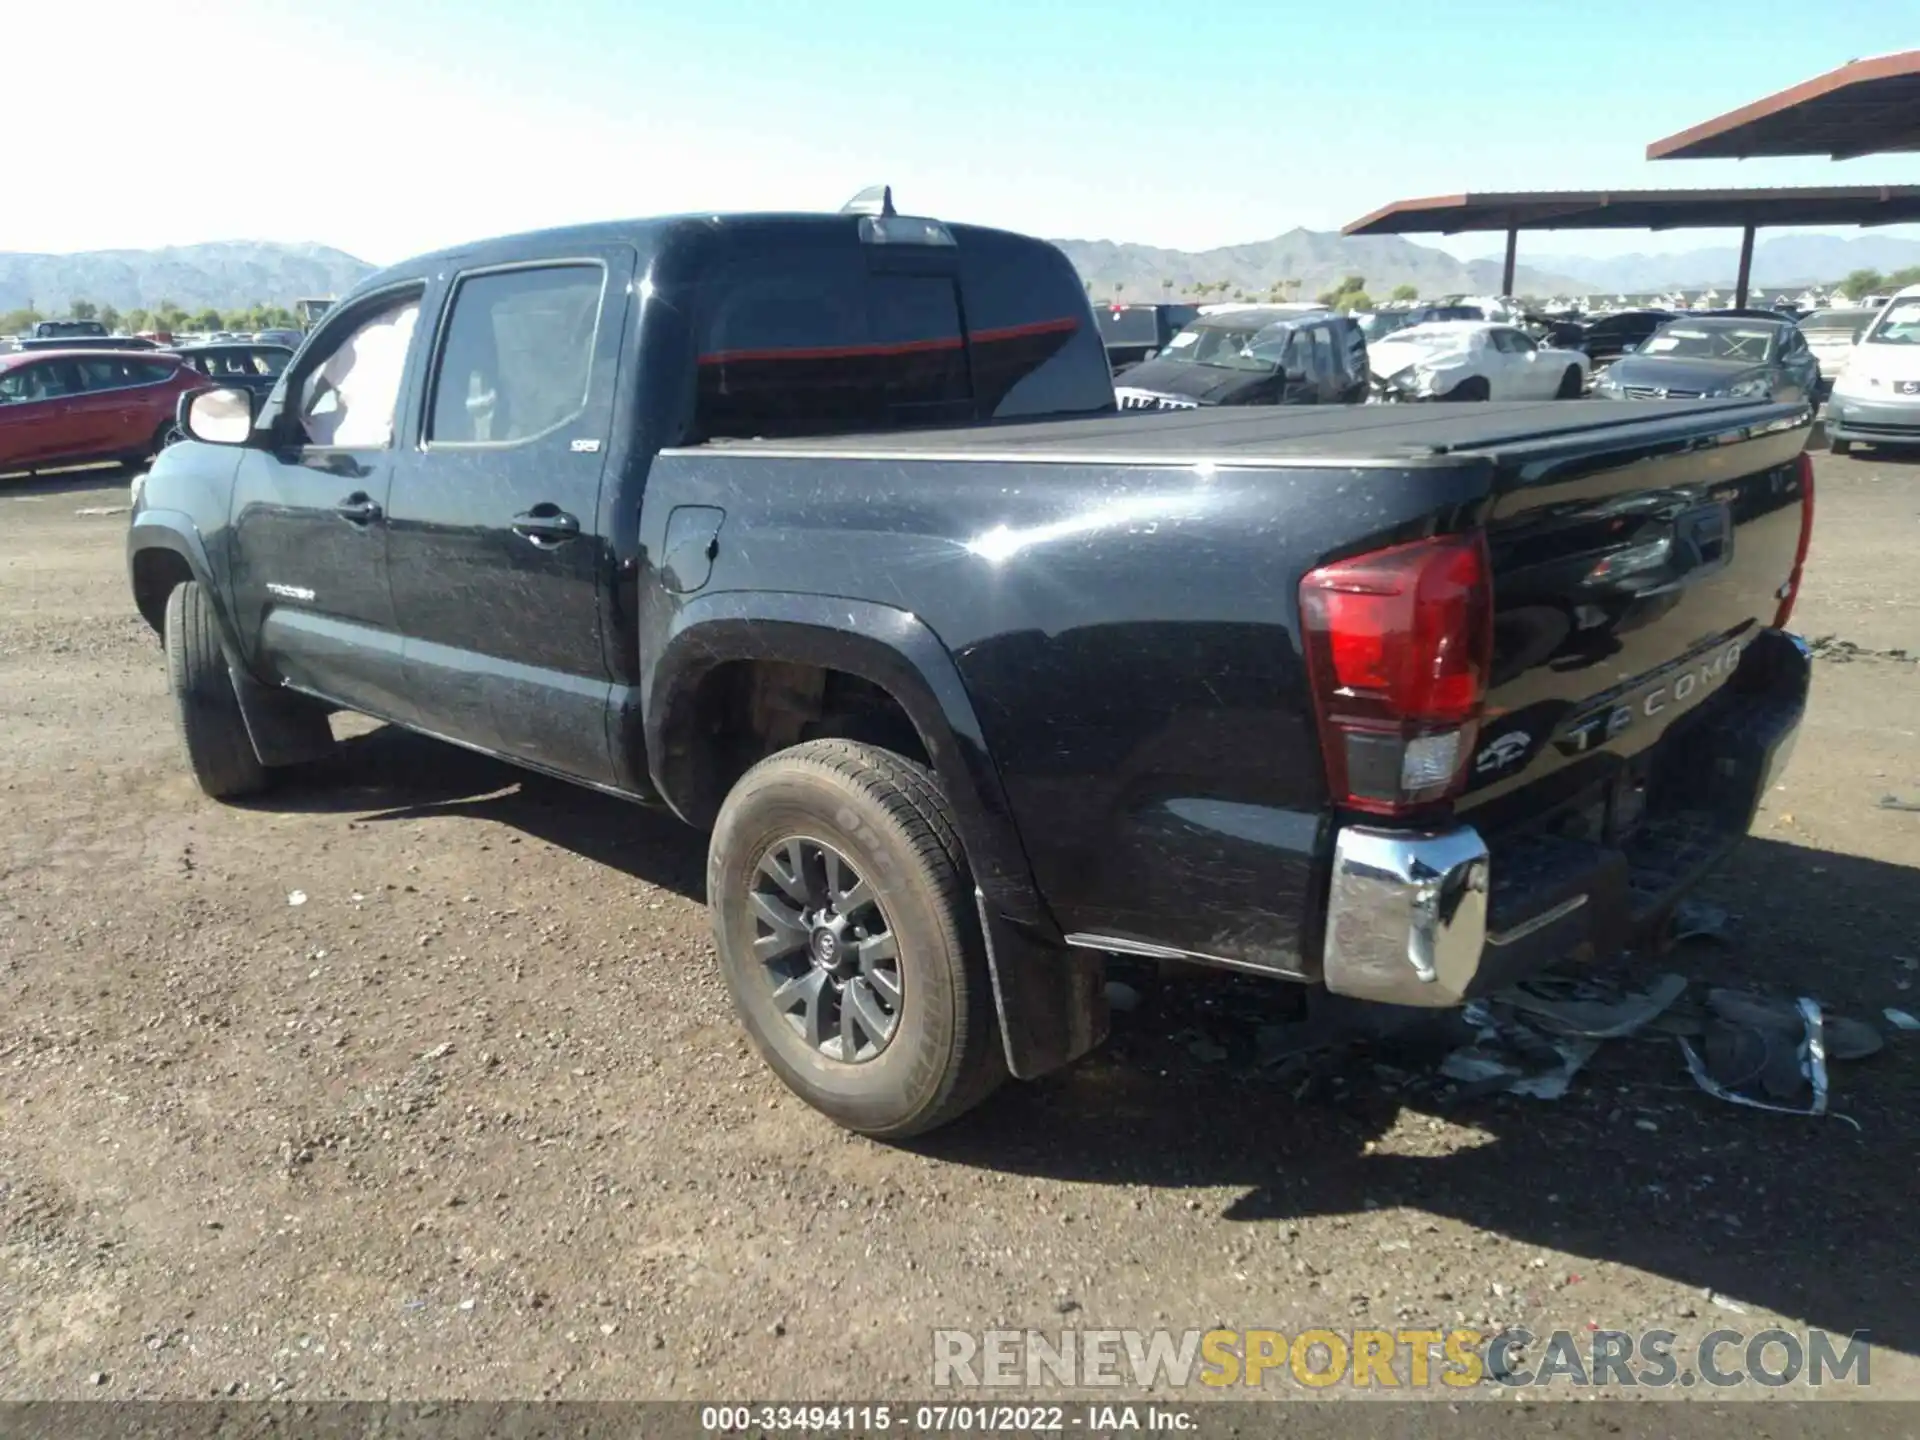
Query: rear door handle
x=359, y=507
x=546, y=524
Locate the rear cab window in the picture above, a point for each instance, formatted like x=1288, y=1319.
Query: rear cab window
x=820, y=334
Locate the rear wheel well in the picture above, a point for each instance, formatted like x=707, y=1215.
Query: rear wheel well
x=745, y=710
x=155, y=574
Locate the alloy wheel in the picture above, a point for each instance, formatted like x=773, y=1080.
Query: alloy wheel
x=829, y=955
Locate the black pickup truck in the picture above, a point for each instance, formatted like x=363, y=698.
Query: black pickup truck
x=826, y=533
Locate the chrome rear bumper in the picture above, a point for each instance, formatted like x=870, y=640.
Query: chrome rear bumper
x=1407, y=915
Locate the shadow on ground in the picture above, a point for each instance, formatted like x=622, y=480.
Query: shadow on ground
x=90, y=482
x=392, y=774
x=1811, y=1218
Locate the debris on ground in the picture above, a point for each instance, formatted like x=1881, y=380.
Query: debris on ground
x=1593, y=1012
x=1750, y=1054
x=1759, y=1051
x=1900, y=1019
x=1700, y=919
x=1895, y=802
x=296, y=897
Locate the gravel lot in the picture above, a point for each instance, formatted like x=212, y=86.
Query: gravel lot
x=419, y=1080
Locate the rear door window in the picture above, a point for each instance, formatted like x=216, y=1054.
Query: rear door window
x=517, y=354
x=1323, y=355
x=105, y=374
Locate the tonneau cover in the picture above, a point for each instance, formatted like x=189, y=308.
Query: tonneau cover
x=1283, y=433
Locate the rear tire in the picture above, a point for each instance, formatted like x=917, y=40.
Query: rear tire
x=1839, y=447
x=167, y=434
x=1474, y=387
x=838, y=813
x=1571, y=384
x=213, y=733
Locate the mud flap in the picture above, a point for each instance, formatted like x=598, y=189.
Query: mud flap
x=1051, y=1000
x=286, y=728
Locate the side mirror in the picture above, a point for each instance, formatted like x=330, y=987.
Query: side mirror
x=217, y=417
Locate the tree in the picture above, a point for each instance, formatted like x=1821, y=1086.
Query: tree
x=1166, y=286
x=1406, y=292
x=82, y=309
x=1862, y=283
x=109, y=317
x=14, y=321
x=1353, y=282
x=138, y=320
x=208, y=319
x=1348, y=300
x=167, y=315
x=1900, y=279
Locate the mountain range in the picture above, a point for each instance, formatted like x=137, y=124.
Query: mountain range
x=223, y=274
x=1317, y=259
x=231, y=273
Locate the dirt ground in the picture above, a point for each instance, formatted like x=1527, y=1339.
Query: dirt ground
x=473, y=1118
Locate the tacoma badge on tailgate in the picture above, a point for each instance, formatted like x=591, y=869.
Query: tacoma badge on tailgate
x=1600, y=725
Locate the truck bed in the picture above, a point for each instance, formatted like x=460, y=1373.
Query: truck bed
x=1292, y=434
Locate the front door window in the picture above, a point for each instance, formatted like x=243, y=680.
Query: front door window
x=349, y=402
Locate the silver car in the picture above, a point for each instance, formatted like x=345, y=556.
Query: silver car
x=1831, y=335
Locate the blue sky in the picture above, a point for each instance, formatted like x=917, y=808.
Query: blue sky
x=386, y=127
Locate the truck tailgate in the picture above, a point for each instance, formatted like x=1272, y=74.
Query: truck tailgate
x=1626, y=589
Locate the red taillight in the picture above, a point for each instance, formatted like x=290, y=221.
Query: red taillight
x=1785, y=612
x=1399, y=646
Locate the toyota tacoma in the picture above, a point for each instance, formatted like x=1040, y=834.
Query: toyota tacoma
x=825, y=532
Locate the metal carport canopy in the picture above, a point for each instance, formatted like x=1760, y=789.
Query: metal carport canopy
x=1866, y=107
x=1745, y=209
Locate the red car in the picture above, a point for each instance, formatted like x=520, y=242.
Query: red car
x=67, y=407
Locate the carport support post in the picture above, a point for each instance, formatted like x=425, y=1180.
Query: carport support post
x=1746, y=269
x=1506, y=270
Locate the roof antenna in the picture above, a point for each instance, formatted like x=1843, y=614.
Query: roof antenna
x=874, y=200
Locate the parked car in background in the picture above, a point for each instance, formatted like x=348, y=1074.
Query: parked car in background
x=1716, y=356
x=1473, y=360
x=1376, y=325
x=1607, y=338
x=242, y=363
x=1563, y=332
x=1252, y=357
x=1747, y=312
x=1876, y=399
x=68, y=407
x=1133, y=333
x=68, y=330
x=1831, y=335
x=289, y=338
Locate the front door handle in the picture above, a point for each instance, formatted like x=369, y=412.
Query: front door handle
x=546, y=525
x=359, y=507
